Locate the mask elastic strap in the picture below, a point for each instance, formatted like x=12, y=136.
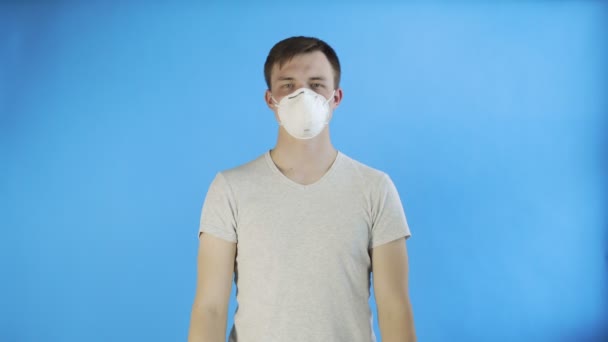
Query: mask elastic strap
x=327, y=102
x=276, y=104
x=332, y=96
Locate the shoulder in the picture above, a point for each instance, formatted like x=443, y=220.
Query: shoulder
x=368, y=175
x=245, y=171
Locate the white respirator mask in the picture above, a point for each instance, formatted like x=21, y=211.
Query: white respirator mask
x=303, y=113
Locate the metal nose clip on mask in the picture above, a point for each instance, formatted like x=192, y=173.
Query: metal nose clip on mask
x=303, y=113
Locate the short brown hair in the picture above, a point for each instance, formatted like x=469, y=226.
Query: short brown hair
x=283, y=51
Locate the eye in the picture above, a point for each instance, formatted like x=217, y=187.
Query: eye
x=316, y=85
x=287, y=86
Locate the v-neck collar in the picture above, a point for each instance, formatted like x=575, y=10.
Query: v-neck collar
x=297, y=185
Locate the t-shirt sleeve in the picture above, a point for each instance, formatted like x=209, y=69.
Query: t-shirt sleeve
x=218, y=216
x=388, y=217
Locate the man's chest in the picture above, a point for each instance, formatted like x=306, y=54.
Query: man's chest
x=331, y=227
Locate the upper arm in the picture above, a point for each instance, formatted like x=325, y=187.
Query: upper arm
x=215, y=268
x=390, y=273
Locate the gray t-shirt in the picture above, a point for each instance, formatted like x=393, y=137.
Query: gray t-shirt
x=302, y=266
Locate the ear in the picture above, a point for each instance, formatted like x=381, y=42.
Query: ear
x=268, y=99
x=338, y=94
x=270, y=103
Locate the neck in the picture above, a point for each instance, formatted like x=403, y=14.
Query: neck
x=292, y=153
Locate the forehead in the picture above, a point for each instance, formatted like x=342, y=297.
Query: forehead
x=307, y=64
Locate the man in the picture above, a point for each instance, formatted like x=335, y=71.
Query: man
x=302, y=226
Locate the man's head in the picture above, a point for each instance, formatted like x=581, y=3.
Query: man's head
x=285, y=50
x=296, y=63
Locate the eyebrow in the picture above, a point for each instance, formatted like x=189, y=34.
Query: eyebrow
x=314, y=78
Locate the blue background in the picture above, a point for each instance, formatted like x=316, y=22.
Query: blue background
x=489, y=116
